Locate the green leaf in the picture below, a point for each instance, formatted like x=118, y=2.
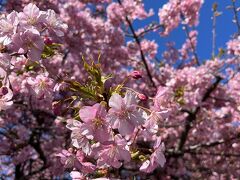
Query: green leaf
x=49, y=50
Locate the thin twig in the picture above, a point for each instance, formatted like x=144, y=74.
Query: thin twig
x=149, y=29
x=140, y=48
x=214, y=29
x=222, y=154
x=211, y=144
x=192, y=46
x=236, y=16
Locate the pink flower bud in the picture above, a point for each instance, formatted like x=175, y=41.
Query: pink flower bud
x=56, y=108
x=142, y=97
x=136, y=74
x=48, y=41
x=4, y=90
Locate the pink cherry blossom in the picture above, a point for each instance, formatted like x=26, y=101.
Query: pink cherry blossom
x=8, y=27
x=79, y=138
x=124, y=114
x=76, y=175
x=29, y=42
x=51, y=100
x=157, y=158
x=234, y=46
x=5, y=98
x=54, y=23
x=41, y=85
x=171, y=12
x=31, y=16
x=115, y=152
x=94, y=121
x=136, y=74
x=70, y=160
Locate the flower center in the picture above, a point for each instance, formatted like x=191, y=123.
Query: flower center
x=32, y=21
x=98, y=122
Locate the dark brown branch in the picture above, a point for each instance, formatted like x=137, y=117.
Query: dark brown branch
x=141, y=52
x=211, y=144
x=195, y=149
x=192, y=115
x=216, y=154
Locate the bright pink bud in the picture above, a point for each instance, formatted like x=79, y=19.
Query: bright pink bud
x=136, y=74
x=48, y=41
x=4, y=91
x=56, y=107
x=142, y=97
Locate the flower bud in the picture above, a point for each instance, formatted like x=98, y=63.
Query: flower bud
x=136, y=74
x=142, y=97
x=56, y=108
x=48, y=41
x=4, y=91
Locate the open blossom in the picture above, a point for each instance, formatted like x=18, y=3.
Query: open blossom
x=8, y=27
x=5, y=61
x=124, y=114
x=133, y=9
x=115, y=152
x=94, y=122
x=154, y=119
x=189, y=45
x=79, y=140
x=70, y=160
x=76, y=175
x=29, y=42
x=233, y=46
x=41, y=85
x=6, y=93
x=149, y=47
x=54, y=24
x=31, y=16
x=171, y=13
x=115, y=14
x=157, y=158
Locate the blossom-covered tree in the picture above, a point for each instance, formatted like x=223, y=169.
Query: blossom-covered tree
x=83, y=94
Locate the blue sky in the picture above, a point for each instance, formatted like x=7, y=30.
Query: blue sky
x=224, y=29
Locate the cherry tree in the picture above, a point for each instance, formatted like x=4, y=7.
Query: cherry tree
x=86, y=95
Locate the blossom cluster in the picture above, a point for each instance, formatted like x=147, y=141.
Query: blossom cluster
x=109, y=137
x=177, y=11
x=83, y=94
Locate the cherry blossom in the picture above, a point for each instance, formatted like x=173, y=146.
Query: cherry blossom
x=28, y=42
x=157, y=158
x=31, y=16
x=8, y=27
x=85, y=93
x=124, y=114
x=94, y=122
x=113, y=153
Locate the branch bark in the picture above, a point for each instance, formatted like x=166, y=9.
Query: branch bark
x=140, y=48
x=192, y=115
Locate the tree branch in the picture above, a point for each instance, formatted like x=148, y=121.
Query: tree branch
x=236, y=16
x=192, y=115
x=140, y=48
x=211, y=144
